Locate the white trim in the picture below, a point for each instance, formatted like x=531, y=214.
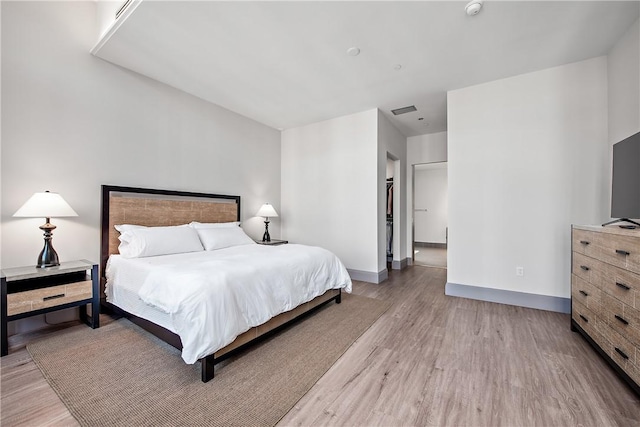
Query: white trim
x=114, y=26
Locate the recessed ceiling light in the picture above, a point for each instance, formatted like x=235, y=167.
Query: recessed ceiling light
x=353, y=51
x=397, y=67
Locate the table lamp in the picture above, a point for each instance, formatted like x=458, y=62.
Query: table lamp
x=47, y=205
x=266, y=211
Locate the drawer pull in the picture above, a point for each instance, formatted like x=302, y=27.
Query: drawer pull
x=584, y=242
x=584, y=267
x=584, y=293
x=584, y=318
x=621, y=319
x=623, y=286
x=52, y=297
x=621, y=353
x=622, y=252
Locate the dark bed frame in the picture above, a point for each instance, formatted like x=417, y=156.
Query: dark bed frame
x=244, y=340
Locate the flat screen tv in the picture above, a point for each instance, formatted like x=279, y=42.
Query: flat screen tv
x=625, y=191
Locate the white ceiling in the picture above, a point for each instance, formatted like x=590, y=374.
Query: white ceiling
x=285, y=64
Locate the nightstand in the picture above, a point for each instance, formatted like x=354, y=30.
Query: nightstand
x=273, y=242
x=29, y=291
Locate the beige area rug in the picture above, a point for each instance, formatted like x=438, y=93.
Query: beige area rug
x=121, y=375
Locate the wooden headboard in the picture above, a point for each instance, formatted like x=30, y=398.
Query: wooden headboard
x=144, y=206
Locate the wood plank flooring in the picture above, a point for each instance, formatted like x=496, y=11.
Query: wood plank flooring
x=437, y=360
x=429, y=360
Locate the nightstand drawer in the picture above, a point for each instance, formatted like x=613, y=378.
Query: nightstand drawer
x=24, y=302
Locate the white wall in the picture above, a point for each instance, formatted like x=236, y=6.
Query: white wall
x=624, y=93
x=429, y=148
x=431, y=203
x=390, y=168
x=329, y=190
x=391, y=143
x=71, y=122
x=525, y=162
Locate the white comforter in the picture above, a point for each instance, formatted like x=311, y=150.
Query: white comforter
x=212, y=297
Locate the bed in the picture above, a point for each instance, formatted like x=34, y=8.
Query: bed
x=227, y=297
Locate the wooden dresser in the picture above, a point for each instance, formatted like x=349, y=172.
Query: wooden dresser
x=605, y=294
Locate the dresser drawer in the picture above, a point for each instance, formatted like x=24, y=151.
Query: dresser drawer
x=620, y=349
x=615, y=281
x=586, y=294
x=621, y=251
x=589, y=322
x=582, y=241
x=583, y=266
x=625, y=324
x=24, y=302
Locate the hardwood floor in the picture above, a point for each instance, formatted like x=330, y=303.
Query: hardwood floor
x=437, y=360
x=430, y=257
x=429, y=360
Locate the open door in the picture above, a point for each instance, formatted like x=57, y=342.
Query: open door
x=430, y=216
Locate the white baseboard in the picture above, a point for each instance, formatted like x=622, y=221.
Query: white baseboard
x=520, y=299
x=368, y=276
x=400, y=265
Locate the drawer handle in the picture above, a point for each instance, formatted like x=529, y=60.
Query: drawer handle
x=622, y=252
x=52, y=297
x=623, y=286
x=621, y=353
x=584, y=267
x=584, y=293
x=584, y=318
x=584, y=242
x=621, y=319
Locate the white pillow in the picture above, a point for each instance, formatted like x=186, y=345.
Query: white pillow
x=223, y=237
x=126, y=227
x=200, y=225
x=154, y=241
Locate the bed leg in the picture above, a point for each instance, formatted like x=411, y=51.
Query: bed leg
x=207, y=368
x=339, y=296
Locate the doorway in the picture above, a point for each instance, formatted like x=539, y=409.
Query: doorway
x=392, y=213
x=430, y=215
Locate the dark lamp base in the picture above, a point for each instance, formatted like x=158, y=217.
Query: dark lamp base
x=266, y=237
x=48, y=256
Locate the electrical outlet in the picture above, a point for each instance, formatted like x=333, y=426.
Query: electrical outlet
x=520, y=271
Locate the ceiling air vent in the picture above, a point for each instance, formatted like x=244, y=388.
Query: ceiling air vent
x=404, y=110
x=122, y=8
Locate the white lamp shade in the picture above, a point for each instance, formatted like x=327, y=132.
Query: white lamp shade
x=267, y=210
x=45, y=205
